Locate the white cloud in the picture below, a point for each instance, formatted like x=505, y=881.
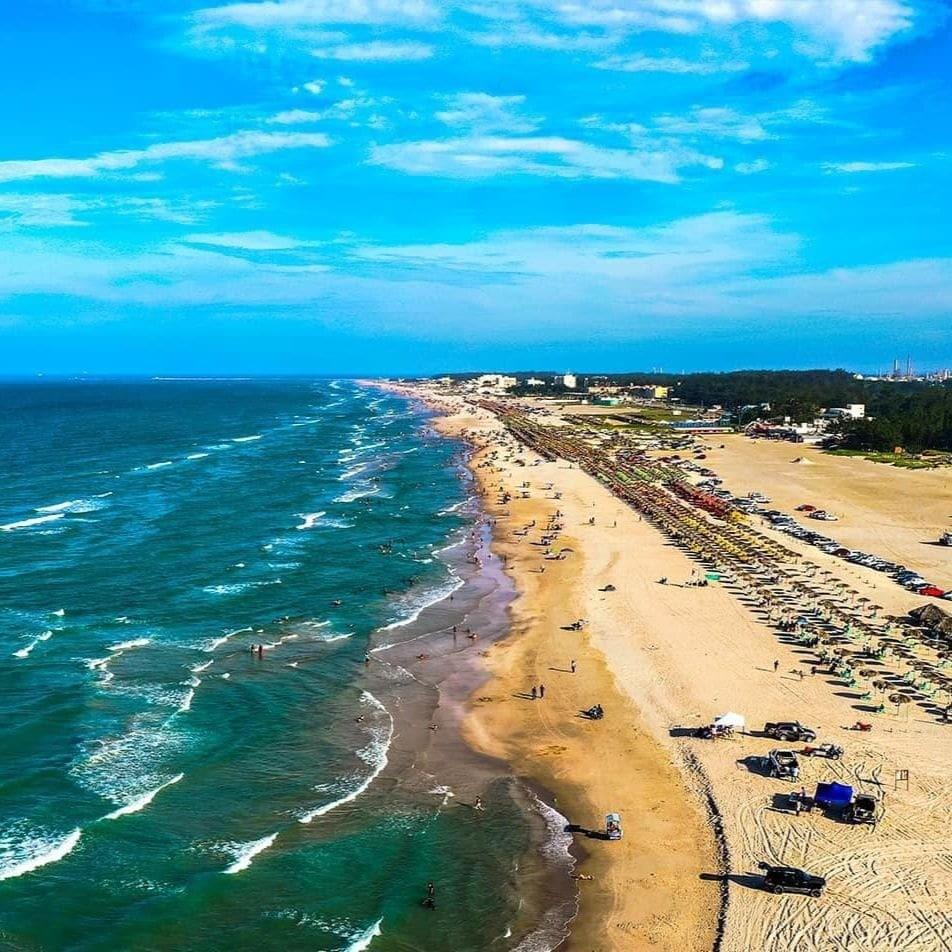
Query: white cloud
x=717, y=122
x=247, y=241
x=752, y=168
x=482, y=156
x=481, y=112
x=223, y=152
x=291, y=117
x=853, y=167
x=374, y=51
x=670, y=64
x=284, y=14
x=41, y=211
x=839, y=30
x=315, y=87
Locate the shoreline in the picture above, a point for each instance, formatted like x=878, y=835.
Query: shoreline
x=632, y=894
x=430, y=737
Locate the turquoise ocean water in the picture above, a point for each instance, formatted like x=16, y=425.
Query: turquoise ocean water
x=162, y=787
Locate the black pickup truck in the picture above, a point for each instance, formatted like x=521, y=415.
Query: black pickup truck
x=781, y=879
x=790, y=731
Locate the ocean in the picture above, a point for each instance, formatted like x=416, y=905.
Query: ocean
x=161, y=785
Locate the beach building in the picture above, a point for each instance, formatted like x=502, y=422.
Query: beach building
x=534, y=382
x=569, y=381
x=495, y=383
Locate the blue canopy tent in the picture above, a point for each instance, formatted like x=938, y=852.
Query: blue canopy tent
x=836, y=795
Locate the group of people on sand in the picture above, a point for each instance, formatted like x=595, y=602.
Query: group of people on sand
x=537, y=692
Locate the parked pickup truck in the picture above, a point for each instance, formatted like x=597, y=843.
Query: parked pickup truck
x=790, y=731
x=781, y=879
x=783, y=764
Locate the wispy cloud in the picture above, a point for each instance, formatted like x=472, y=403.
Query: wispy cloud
x=844, y=30
x=851, y=168
x=247, y=241
x=481, y=112
x=282, y=14
x=640, y=63
x=484, y=156
x=223, y=152
x=291, y=117
x=375, y=51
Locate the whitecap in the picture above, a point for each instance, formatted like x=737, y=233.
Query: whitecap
x=247, y=439
x=39, y=852
x=196, y=455
x=310, y=519
x=201, y=667
x=162, y=465
x=28, y=523
x=132, y=643
x=425, y=601
x=25, y=651
x=361, y=942
x=141, y=802
x=245, y=852
x=358, y=492
x=375, y=755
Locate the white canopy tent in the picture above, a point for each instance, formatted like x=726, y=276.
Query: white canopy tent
x=735, y=721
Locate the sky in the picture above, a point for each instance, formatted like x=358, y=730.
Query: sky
x=413, y=186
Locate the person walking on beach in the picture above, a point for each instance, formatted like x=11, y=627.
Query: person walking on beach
x=573, y=666
x=542, y=691
x=776, y=665
x=533, y=692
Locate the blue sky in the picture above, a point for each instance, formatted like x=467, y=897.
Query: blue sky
x=411, y=185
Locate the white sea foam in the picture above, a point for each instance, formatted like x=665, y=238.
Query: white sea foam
x=197, y=455
x=25, y=651
x=162, y=465
x=333, y=638
x=22, y=857
x=141, y=802
x=310, y=519
x=246, y=852
x=358, y=492
x=77, y=505
x=247, y=439
x=28, y=523
x=354, y=472
x=127, y=645
x=361, y=942
x=201, y=667
x=59, y=613
x=216, y=642
x=374, y=755
x=236, y=588
x=426, y=599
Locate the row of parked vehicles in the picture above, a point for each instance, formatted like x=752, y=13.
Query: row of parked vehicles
x=903, y=576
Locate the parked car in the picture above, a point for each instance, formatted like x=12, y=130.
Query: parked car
x=781, y=879
x=789, y=731
x=783, y=764
x=863, y=809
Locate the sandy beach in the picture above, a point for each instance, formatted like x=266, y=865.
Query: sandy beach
x=662, y=658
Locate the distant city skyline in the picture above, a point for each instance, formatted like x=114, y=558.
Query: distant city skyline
x=413, y=186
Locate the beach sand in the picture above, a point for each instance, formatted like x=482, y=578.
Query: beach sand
x=660, y=657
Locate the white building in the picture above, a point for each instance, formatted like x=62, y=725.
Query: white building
x=495, y=383
x=535, y=382
x=569, y=381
